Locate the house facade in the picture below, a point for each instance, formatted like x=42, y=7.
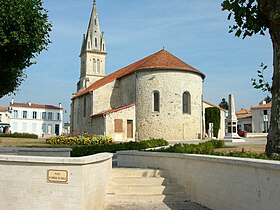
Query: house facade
x=4, y=119
x=159, y=96
x=42, y=120
x=261, y=118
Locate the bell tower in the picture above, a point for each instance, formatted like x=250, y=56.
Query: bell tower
x=93, y=53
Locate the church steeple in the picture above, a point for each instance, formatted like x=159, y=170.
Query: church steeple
x=93, y=52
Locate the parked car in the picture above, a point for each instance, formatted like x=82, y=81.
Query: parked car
x=241, y=132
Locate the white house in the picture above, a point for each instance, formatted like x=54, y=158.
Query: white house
x=39, y=119
x=4, y=119
x=261, y=118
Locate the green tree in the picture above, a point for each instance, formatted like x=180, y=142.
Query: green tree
x=212, y=115
x=224, y=104
x=255, y=17
x=261, y=83
x=24, y=33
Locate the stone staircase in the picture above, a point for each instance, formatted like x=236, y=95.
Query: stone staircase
x=136, y=185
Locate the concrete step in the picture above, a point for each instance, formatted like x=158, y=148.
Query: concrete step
x=141, y=181
x=144, y=189
x=177, y=197
x=138, y=172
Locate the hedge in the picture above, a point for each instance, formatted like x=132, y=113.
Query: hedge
x=20, y=135
x=79, y=151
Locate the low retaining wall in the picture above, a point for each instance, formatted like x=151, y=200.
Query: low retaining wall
x=25, y=151
x=54, y=183
x=256, y=135
x=216, y=182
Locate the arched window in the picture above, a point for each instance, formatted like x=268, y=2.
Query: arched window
x=94, y=65
x=156, y=101
x=95, y=40
x=186, y=102
x=103, y=47
x=98, y=66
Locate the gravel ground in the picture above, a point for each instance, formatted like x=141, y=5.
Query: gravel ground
x=156, y=206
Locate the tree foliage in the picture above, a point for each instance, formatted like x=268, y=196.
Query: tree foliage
x=224, y=104
x=261, y=83
x=24, y=33
x=254, y=17
x=212, y=115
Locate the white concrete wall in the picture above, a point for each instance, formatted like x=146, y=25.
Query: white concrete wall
x=24, y=184
x=170, y=122
x=217, y=182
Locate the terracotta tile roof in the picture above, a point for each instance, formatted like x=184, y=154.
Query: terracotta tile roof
x=4, y=108
x=243, y=113
x=214, y=106
x=268, y=105
x=35, y=106
x=113, y=110
x=160, y=60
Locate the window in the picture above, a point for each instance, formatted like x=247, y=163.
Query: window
x=85, y=107
x=34, y=115
x=186, y=102
x=264, y=112
x=34, y=129
x=44, y=128
x=15, y=113
x=118, y=125
x=94, y=65
x=156, y=101
x=58, y=116
x=98, y=66
x=24, y=127
x=0, y=117
x=95, y=41
x=14, y=127
x=103, y=47
x=50, y=116
x=24, y=114
x=44, y=115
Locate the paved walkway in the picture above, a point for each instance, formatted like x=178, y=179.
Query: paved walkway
x=156, y=206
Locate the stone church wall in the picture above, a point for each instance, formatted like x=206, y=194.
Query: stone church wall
x=170, y=122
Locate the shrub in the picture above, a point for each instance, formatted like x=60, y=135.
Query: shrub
x=20, y=135
x=82, y=139
x=201, y=148
x=79, y=151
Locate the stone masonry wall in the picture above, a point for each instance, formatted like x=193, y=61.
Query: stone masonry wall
x=170, y=122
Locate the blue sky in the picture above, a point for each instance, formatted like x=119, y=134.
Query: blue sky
x=195, y=31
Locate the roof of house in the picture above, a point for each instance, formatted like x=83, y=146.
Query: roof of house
x=243, y=113
x=268, y=105
x=159, y=60
x=34, y=105
x=214, y=106
x=4, y=108
x=113, y=110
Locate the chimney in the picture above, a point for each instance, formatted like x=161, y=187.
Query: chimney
x=263, y=102
x=60, y=106
x=12, y=101
x=29, y=103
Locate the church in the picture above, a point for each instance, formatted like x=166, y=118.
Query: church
x=159, y=96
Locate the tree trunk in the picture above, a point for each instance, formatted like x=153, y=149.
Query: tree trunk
x=272, y=11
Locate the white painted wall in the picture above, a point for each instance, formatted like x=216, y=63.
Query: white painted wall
x=216, y=182
x=24, y=184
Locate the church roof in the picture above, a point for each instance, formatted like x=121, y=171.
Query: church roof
x=159, y=60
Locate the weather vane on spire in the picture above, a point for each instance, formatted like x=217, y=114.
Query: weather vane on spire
x=94, y=1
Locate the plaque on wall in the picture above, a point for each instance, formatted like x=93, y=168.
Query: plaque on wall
x=57, y=176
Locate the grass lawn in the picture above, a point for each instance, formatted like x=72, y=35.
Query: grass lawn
x=23, y=142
